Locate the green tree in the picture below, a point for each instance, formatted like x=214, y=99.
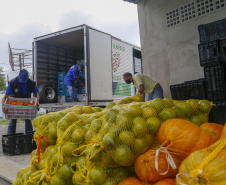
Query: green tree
x=2, y=83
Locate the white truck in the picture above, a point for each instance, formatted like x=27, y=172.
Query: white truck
x=105, y=57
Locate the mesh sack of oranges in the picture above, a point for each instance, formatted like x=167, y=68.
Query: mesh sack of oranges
x=105, y=139
x=38, y=171
x=54, y=124
x=206, y=166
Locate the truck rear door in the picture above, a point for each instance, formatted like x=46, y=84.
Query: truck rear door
x=99, y=66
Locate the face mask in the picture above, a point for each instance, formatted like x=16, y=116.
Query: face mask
x=128, y=81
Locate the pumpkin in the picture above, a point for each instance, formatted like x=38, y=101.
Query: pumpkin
x=205, y=167
x=166, y=181
x=145, y=166
x=183, y=137
x=213, y=129
x=131, y=181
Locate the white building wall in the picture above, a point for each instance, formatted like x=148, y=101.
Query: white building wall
x=170, y=55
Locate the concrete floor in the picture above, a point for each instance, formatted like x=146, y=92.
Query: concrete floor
x=10, y=165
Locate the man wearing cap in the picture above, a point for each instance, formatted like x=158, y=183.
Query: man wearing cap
x=145, y=85
x=20, y=87
x=69, y=80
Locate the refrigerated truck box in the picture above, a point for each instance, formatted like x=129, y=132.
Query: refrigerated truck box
x=106, y=59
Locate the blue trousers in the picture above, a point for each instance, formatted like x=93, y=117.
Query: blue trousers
x=12, y=126
x=72, y=92
x=157, y=93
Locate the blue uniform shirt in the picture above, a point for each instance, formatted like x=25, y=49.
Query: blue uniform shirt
x=72, y=73
x=23, y=87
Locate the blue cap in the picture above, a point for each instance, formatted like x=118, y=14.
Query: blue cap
x=82, y=67
x=23, y=76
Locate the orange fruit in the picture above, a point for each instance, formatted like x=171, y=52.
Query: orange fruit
x=140, y=146
x=111, y=115
x=65, y=172
x=110, y=105
x=167, y=113
x=186, y=108
x=148, y=112
x=57, y=180
x=196, y=120
x=122, y=155
x=87, y=110
x=179, y=112
x=96, y=125
x=204, y=118
x=97, y=175
x=135, y=110
x=139, y=127
x=78, y=178
x=153, y=124
x=108, y=141
x=158, y=104
x=78, y=136
x=68, y=148
x=205, y=106
x=138, y=98
x=194, y=105
x=168, y=102
x=124, y=120
x=127, y=138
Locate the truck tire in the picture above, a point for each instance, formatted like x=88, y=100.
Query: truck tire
x=47, y=93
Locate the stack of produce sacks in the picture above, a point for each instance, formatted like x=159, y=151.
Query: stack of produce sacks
x=100, y=146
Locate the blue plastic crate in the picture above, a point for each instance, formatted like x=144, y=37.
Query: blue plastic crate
x=60, y=82
x=62, y=91
x=62, y=86
x=67, y=92
x=81, y=90
x=82, y=74
x=61, y=75
x=68, y=99
x=76, y=83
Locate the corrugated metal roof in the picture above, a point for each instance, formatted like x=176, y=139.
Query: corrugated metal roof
x=133, y=1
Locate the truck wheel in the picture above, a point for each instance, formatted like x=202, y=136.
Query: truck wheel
x=47, y=93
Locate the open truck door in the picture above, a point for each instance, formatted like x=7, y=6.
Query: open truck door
x=99, y=70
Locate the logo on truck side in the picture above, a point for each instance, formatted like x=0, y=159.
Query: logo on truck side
x=121, y=48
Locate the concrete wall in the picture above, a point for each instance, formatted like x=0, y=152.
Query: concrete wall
x=170, y=55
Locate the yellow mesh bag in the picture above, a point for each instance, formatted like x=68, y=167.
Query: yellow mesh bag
x=205, y=167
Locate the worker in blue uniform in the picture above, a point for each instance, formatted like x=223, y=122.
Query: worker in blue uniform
x=69, y=80
x=20, y=87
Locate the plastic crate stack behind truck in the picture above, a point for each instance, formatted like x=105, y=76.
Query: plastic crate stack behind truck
x=212, y=54
x=63, y=94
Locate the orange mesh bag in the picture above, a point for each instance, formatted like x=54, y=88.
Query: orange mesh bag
x=166, y=181
x=155, y=165
x=182, y=137
x=213, y=129
x=132, y=181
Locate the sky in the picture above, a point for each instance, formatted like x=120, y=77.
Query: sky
x=23, y=20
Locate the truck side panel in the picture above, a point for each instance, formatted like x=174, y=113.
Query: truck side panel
x=122, y=61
